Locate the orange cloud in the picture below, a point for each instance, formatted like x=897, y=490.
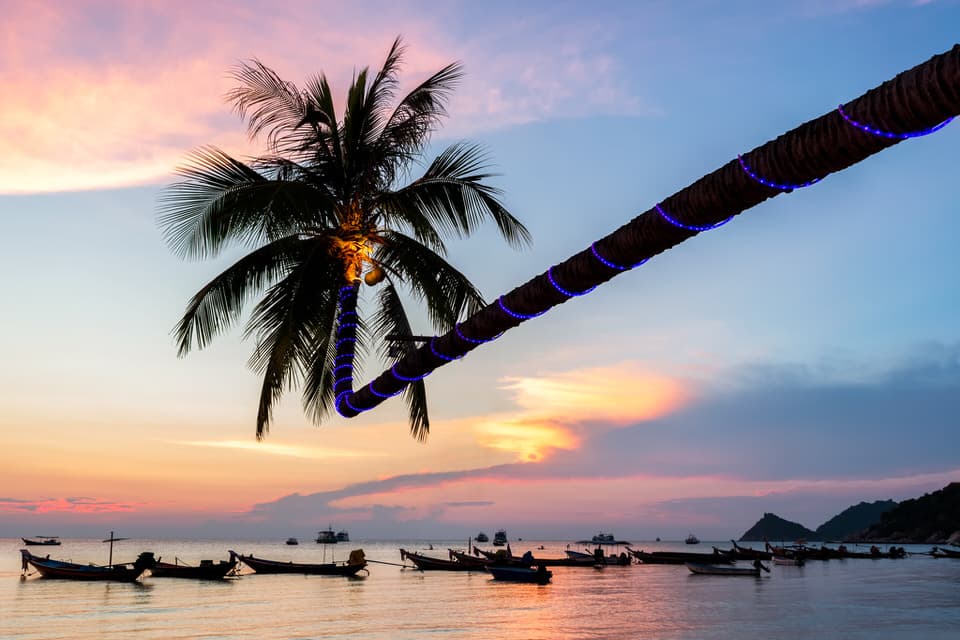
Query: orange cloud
x=531, y=440
x=557, y=409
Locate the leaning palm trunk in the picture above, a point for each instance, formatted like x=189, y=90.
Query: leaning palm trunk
x=918, y=100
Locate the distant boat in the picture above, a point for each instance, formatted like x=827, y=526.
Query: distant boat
x=42, y=541
x=692, y=539
x=292, y=541
x=206, y=570
x=126, y=572
x=603, y=538
x=521, y=574
x=348, y=568
x=482, y=537
x=500, y=538
x=343, y=536
x=327, y=536
x=713, y=570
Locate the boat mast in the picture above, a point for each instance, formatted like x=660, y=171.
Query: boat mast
x=111, y=540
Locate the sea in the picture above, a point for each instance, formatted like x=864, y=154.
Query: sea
x=913, y=598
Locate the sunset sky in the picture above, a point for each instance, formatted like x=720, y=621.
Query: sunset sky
x=802, y=358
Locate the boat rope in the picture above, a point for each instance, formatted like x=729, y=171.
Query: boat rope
x=392, y=564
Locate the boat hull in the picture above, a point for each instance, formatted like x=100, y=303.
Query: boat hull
x=260, y=565
x=57, y=569
x=426, y=563
x=520, y=574
x=205, y=571
x=714, y=570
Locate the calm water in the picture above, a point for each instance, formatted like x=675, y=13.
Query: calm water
x=918, y=597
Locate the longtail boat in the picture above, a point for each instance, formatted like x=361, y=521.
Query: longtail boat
x=940, y=552
x=581, y=558
x=500, y=559
x=791, y=562
x=426, y=563
x=42, y=541
x=467, y=559
x=746, y=553
x=714, y=570
x=521, y=574
x=348, y=568
x=679, y=557
x=206, y=570
x=126, y=572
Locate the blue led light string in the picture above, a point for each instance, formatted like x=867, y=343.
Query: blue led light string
x=569, y=294
x=383, y=395
x=402, y=378
x=460, y=335
x=890, y=134
x=519, y=316
x=343, y=363
x=442, y=356
x=613, y=265
x=768, y=183
x=689, y=227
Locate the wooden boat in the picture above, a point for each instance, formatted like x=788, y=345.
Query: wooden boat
x=467, y=559
x=206, y=570
x=581, y=558
x=799, y=551
x=502, y=557
x=940, y=552
x=426, y=563
x=714, y=570
x=791, y=562
x=42, y=541
x=539, y=575
x=680, y=557
x=348, y=568
x=746, y=553
x=588, y=561
x=126, y=572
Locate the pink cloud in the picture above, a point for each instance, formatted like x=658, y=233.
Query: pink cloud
x=74, y=505
x=108, y=94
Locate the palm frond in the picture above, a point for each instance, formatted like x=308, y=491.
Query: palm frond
x=287, y=322
x=452, y=196
x=392, y=318
x=218, y=305
x=408, y=128
x=223, y=200
x=327, y=145
x=267, y=102
x=448, y=293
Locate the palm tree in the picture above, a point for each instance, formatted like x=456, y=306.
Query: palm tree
x=323, y=209
x=916, y=102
